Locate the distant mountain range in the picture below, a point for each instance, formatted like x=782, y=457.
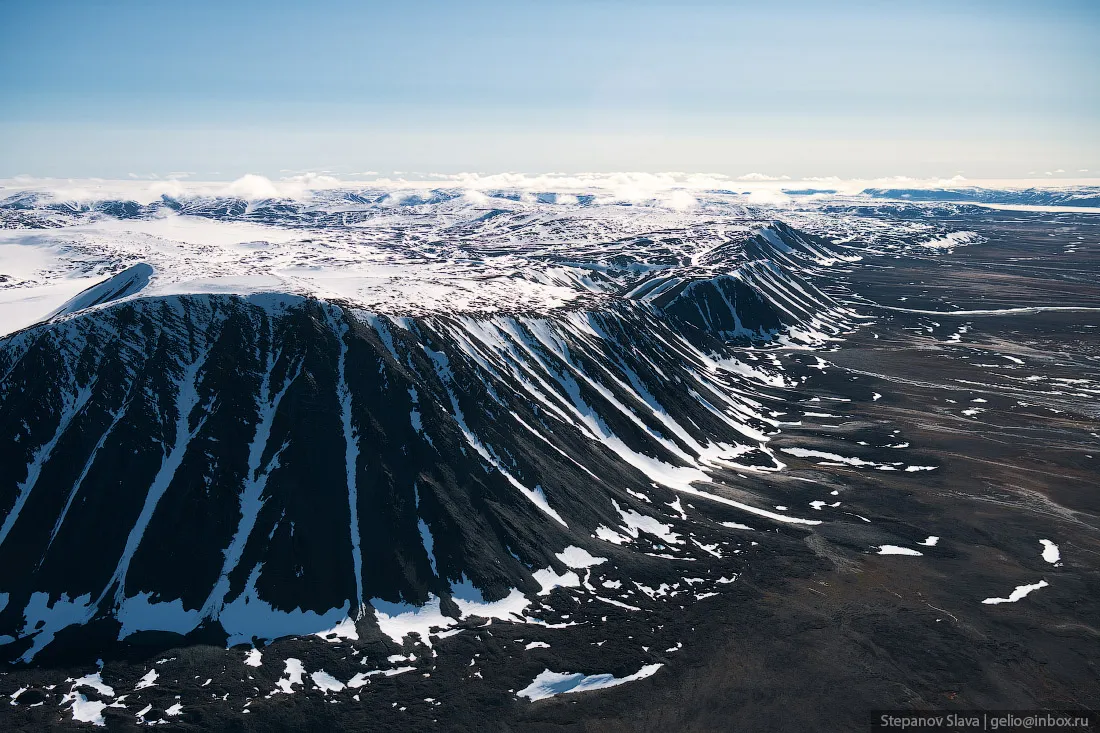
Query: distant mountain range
x=1074, y=196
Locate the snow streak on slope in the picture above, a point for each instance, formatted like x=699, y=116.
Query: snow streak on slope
x=187, y=399
x=351, y=456
x=71, y=406
x=255, y=479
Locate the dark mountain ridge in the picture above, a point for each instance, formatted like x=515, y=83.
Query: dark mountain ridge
x=230, y=468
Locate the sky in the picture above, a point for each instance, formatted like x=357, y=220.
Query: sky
x=217, y=89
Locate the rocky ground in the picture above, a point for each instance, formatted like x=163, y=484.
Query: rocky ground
x=837, y=631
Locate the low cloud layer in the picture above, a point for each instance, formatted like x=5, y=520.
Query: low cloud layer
x=676, y=190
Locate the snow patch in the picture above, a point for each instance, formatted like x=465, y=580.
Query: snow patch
x=1017, y=594
x=578, y=557
x=149, y=680
x=292, y=676
x=548, y=683
x=895, y=550
x=397, y=620
x=325, y=682
x=1050, y=552
x=343, y=630
x=549, y=580
x=85, y=710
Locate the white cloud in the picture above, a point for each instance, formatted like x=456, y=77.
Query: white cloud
x=252, y=187
x=762, y=177
x=172, y=189
x=475, y=197
x=681, y=200
x=677, y=190
x=768, y=197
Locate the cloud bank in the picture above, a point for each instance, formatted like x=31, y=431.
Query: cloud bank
x=676, y=190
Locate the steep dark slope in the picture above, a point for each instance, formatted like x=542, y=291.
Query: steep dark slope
x=231, y=467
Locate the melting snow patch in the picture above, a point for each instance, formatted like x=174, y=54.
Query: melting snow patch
x=807, y=453
x=510, y=608
x=895, y=550
x=577, y=557
x=548, y=683
x=362, y=678
x=397, y=670
x=609, y=535
x=636, y=523
x=1050, y=552
x=85, y=710
x=95, y=682
x=139, y=613
x=678, y=508
x=549, y=580
x=43, y=621
x=1020, y=592
x=737, y=525
x=174, y=710
x=620, y=604
x=325, y=682
x=537, y=645
x=343, y=630
x=148, y=680
x=254, y=658
x=294, y=672
x=930, y=541
x=249, y=616
x=709, y=549
x=405, y=619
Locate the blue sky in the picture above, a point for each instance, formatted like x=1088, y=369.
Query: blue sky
x=217, y=89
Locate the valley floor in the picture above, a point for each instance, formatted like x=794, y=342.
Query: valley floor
x=1009, y=411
